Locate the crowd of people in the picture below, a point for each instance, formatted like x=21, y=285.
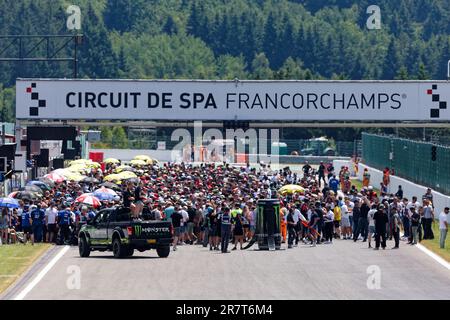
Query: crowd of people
x=212, y=204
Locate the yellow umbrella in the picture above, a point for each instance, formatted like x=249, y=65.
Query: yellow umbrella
x=290, y=189
x=94, y=165
x=138, y=162
x=80, y=161
x=125, y=175
x=111, y=160
x=123, y=168
x=112, y=177
x=72, y=176
x=142, y=157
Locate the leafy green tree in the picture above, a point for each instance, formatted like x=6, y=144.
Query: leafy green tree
x=261, y=68
x=422, y=74
x=402, y=74
x=98, y=59
x=106, y=135
x=229, y=67
x=119, y=138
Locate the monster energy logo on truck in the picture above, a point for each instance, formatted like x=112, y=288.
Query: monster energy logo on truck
x=137, y=230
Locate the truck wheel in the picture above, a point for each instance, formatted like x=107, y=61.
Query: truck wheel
x=163, y=252
x=119, y=250
x=130, y=252
x=84, y=248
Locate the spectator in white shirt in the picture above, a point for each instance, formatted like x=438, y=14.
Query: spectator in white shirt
x=443, y=227
x=50, y=221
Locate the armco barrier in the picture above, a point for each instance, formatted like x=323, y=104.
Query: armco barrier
x=410, y=189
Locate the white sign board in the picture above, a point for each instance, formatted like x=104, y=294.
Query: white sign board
x=161, y=145
x=230, y=100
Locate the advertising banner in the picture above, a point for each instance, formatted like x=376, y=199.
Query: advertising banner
x=189, y=100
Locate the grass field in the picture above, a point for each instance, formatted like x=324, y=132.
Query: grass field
x=15, y=259
x=433, y=245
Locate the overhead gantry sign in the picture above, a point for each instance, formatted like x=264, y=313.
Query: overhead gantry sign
x=264, y=101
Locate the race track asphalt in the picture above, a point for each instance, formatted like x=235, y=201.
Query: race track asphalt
x=328, y=271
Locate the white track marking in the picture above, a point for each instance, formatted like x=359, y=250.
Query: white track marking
x=41, y=274
x=434, y=256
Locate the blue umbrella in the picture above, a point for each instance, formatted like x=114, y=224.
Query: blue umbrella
x=9, y=203
x=39, y=184
x=104, y=196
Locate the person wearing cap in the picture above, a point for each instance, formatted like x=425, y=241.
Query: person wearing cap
x=443, y=227
x=371, y=194
x=428, y=219
x=381, y=220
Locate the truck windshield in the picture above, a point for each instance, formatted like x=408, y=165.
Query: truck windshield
x=123, y=215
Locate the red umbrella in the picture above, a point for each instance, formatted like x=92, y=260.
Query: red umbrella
x=89, y=199
x=55, y=177
x=13, y=194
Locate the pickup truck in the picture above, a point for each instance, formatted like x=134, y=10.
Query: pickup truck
x=114, y=230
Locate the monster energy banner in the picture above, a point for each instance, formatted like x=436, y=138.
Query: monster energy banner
x=232, y=100
x=139, y=230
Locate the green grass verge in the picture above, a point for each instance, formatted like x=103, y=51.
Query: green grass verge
x=16, y=259
x=433, y=245
x=358, y=185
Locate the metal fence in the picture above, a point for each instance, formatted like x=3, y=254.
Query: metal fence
x=412, y=160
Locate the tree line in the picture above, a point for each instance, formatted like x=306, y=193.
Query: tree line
x=227, y=39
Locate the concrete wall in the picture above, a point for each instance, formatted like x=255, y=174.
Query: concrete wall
x=409, y=188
